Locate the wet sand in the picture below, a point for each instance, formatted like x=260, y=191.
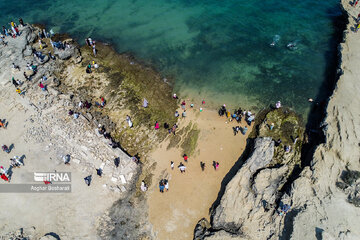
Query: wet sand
x=175, y=213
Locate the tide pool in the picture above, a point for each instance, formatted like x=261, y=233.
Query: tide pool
x=215, y=50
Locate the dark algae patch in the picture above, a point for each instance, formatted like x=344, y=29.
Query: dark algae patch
x=124, y=83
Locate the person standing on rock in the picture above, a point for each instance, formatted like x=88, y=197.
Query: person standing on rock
x=128, y=119
x=42, y=86
x=66, y=159
x=5, y=148
x=143, y=186
x=117, y=162
x=88, y=180
x=21, y=22
x=99, y=172
x=94, y=50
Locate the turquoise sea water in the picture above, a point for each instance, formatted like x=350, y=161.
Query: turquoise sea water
x=217, y=50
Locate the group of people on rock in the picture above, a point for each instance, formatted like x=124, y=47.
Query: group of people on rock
x=13, y=31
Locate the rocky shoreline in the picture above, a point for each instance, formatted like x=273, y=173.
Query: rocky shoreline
x=324, y=199
x=49, y=124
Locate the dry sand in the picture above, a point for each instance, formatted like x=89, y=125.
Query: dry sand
x=175, y=213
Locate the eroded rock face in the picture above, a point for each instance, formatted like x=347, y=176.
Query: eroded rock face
x=247, y=207
x=325, y=197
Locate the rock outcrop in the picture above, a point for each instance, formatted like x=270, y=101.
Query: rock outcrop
x=324, y=199
x=51, y=125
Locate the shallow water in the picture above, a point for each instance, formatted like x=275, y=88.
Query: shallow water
x=216, y=50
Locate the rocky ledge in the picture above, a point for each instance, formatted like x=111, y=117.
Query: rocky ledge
x=323, y=201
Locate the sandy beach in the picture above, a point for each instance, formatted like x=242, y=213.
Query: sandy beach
x=249, y=204
x=191, y=194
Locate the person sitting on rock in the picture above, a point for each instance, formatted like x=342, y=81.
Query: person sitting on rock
x=143, y=186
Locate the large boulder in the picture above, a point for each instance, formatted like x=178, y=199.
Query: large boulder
x=66, y=53
x=249, y=201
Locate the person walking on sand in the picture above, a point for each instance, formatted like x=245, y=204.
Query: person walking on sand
x=183, y=105
x=202, y=165
x=161, y=186
x=184, y=114
x=166, y=182
x=176, y=114
x=172, y=165
x=217, y=165
x=244, y=130
x=185, y=157
x=182, y=167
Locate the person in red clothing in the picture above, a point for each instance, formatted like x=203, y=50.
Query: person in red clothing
x=357, y=1
x=41, y=85
x=185, y=157
x=4, y=177
x=183, y=104
x=102, y=101
x=156, y=125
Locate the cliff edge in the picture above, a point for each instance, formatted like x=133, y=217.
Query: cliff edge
x=324, y=200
